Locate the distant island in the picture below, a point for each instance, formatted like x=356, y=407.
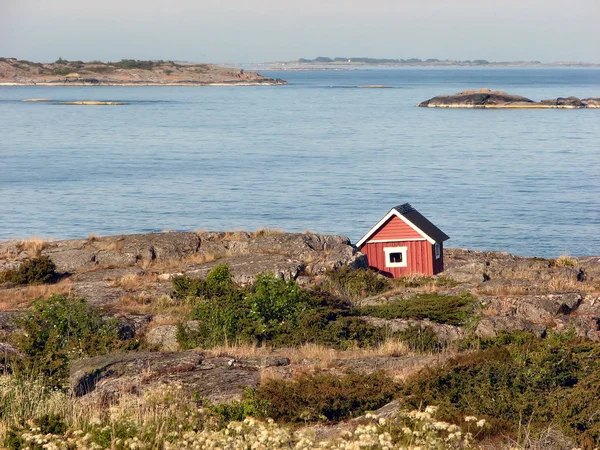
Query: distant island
x=486, y=98
x=343, y=61
x=127, y=72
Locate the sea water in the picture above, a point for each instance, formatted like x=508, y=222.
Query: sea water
x=321, y=154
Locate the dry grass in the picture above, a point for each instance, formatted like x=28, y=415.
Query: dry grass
x=504, y=290
x=322, y=356
x=234, y=236
x=240, y=351
x=267, y=232
x=311, y=358
x=170, y=265
x=202, y=258
x=21, y=297
x=164, y=306
x=105, y=244
x=563, y=261
x=270, y=373
x=558, y=282
x=9, y=250
x=135, y=282
x=164, y=319
x=33, y=246
x=134, y=302
x=151, y=410
x=115, y=246
x=568, y=283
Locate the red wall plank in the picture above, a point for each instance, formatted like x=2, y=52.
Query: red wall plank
x=394, y=228
x=419, y=255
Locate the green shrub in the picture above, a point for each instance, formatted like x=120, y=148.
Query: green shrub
x=503, y=338
x=101, y=68
x=221, y=320
x=134, y=64
x=316, y=398
x=335, y=330
x=218, y=282
x=354, y=284
x=562, y=261
x=222, y=311
x=62, y=71
x=420, y=339
x=447, y=309
x=274, y=301
x=40, y=270
x=13, y=439
x=62, y=328
x=249, y=406
x=51, y=424
x=540, y=382
x=273, y=311
x=312, y=398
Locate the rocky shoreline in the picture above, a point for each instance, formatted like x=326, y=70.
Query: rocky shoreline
x=488, y=99
x=513, y=292
x=15, y=72
x=183, y=83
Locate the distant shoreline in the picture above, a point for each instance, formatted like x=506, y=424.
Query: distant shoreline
x=295, y=66
x=14, y=72
x=4, y=84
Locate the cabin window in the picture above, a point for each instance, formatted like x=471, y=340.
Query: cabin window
x=395, y=256
x=438, y=251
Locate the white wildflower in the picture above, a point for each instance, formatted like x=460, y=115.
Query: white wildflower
x=431, y=409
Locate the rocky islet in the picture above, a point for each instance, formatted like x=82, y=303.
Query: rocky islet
x=489, y=99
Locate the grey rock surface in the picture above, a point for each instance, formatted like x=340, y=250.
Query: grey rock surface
x=591, y=102
x=132, y=325
x=163, y=338
x=480, y=98
x=8, y=350
x=486, y=98
x=445, y=333
x=121, y=251
x=568, y=102
x=244, y=268
x=110, y=376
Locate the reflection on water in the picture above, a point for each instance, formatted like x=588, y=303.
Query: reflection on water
x=305, y=156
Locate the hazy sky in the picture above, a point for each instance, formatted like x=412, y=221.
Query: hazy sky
x=268, y=30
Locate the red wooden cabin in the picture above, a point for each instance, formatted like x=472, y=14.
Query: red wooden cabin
x=404, y=242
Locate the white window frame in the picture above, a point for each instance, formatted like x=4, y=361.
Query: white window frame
x=438, y=250
x=402, y=250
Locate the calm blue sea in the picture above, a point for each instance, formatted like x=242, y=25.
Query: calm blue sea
x=318, y=154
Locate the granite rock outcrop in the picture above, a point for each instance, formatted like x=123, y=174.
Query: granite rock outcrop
x=486, y=98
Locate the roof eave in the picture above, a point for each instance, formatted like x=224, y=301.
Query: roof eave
x=385, y=218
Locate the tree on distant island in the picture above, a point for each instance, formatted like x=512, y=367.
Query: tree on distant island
x=364, y=60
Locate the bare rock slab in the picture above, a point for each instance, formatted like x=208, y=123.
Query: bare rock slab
x=217, y=379
x=121, y=251
x=163, y=338
x=486, y=98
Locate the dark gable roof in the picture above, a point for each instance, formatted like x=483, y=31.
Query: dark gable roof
x=421, y=222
